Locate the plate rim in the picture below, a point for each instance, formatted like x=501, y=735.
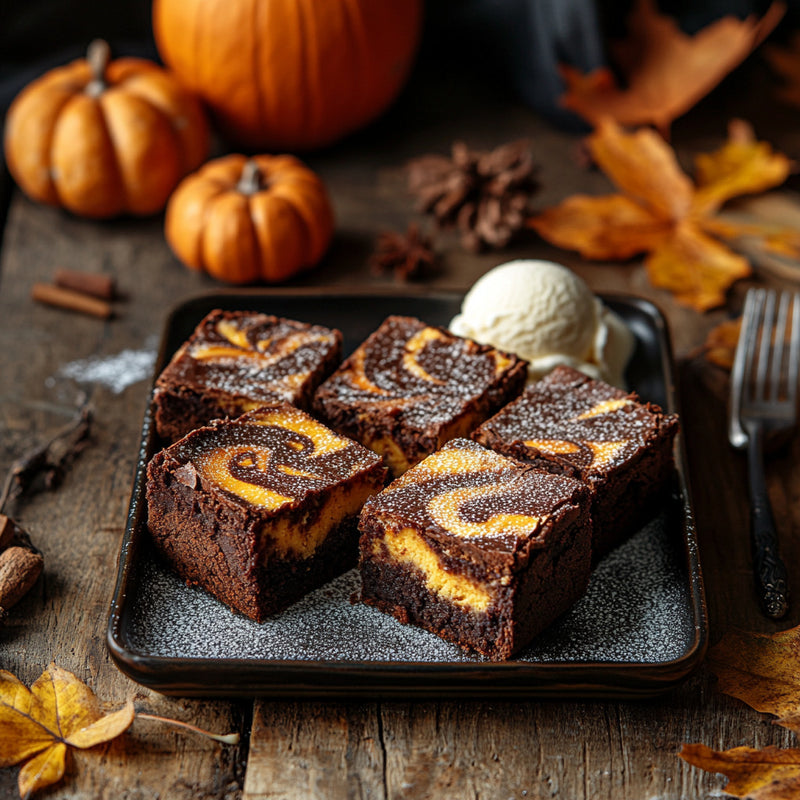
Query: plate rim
x=200, y=677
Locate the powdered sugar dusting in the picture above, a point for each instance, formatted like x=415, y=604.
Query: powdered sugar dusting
x=423, y=376
x=637, y=610
x=116, y=372
x=469, y=491
x=589, y=423
x=252, y=355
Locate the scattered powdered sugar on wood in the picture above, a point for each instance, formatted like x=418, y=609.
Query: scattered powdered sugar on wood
x=116, y=372
x=637, y=610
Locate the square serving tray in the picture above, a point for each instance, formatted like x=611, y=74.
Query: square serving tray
x=640, y=629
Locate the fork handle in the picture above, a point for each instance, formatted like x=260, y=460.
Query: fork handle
x=770, y=571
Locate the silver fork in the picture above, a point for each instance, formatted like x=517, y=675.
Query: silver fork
x=763, y=407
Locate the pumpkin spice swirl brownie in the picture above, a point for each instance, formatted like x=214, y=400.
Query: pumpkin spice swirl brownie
x=236, y=361
x=411, y=387
x=262, y=509
x=572, y=424
x=477, y=548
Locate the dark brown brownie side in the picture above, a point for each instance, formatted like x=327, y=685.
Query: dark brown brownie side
x=535, y=598
x=477, y=548
x=178, y=410
x=217, y=545
x=260, y=510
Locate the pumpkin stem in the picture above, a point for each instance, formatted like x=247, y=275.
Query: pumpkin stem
x=98, y=55
x=252, y=179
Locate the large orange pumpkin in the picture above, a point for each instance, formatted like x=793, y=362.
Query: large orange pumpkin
x=290, y=74
x=246, y=220
x=103, y=138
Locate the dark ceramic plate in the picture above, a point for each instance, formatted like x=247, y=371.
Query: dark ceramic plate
x=640, y=629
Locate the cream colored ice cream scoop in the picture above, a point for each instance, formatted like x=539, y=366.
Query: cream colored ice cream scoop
x=546, y=314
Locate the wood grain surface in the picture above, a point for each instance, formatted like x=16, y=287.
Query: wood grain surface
x=619, y=750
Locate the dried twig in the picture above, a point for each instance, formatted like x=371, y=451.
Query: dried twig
x=48, y=460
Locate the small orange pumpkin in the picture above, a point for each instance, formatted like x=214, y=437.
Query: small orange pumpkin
x=103, y=139
x=243, y=220
x=290, y=74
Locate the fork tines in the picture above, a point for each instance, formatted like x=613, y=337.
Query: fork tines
x=764, y=378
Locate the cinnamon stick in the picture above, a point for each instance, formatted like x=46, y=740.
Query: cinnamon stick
x=92, y=283
x=70, y=300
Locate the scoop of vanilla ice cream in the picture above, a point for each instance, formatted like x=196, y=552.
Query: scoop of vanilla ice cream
x=547, y=315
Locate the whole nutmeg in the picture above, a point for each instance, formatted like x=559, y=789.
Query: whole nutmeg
x=19, y=569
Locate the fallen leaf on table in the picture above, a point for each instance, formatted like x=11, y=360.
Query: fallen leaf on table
x=743, y=165
x=695, y=267
x=662, y=213
x=720, y=345
x=763, y=671
x=768, y=774
x=786, y=62
x=39, y=726
x=666, y=71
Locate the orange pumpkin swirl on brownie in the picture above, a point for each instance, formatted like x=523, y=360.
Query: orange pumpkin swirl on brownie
x=411, y=387
x=262, y=509
x=236, y=361
x=572, y=424
x=476, y=548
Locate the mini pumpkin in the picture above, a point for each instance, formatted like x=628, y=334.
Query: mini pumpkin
x=102, y=137
x=244, y=220
x=290, y=74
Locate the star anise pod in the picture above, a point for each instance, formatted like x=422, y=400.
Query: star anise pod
x=407, y=255
x=483, y=194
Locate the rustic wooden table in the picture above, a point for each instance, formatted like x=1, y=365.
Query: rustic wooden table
x=454, y=749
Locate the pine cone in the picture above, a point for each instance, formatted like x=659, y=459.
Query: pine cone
x=483, y=194
x=407, y=255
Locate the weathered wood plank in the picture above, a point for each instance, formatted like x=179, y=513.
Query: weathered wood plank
x=316, y=750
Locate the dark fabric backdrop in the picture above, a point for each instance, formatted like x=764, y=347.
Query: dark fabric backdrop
x=519, y=41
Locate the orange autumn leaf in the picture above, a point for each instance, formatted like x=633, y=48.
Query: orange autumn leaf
x=768, y=774
x=763, y=671
x=741, y=166
x=696, y=268
x=663, y=214
x=769, y=238
x=601, y=228
x=644, y=167
x=666, y=71
x=39, y=725
x=720, y=345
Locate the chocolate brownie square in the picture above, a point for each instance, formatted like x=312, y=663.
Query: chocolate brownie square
x=477, y=548
x=411, y=387
x=262, y=509
x=236, y=361
x=572, y=424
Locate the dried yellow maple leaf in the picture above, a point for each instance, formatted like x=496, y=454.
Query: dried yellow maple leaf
x=768, y=774
x=666, y=71
x=762, y=670
x=39, y=725
x=662, y=213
